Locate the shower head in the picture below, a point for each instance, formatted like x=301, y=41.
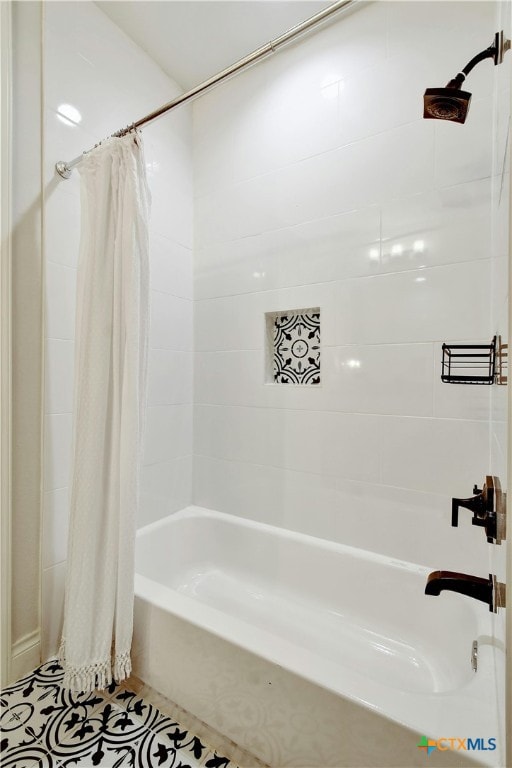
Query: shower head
x=446, y=104
x=451, y=103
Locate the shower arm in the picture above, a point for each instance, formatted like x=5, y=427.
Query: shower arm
x=64, y=168
x=494, y=51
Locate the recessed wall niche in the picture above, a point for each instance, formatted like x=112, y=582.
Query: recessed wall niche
x=293, y=346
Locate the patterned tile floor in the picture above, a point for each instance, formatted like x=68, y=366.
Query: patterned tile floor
x=45, y=726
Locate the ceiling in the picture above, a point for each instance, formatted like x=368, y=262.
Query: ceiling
x=192, y=40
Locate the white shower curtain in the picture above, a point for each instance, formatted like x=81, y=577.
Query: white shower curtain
x=108, y=415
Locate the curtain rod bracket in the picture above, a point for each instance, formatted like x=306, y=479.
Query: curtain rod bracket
x=63, y=169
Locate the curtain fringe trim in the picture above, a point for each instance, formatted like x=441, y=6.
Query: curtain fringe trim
x=98, y=675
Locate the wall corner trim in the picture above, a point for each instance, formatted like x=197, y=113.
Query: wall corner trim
x=25, y=655
x=5, y=338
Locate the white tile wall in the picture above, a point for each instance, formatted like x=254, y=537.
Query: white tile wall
x=447, y=224
x=169, y=377
x=404, y=307
x=322, y=250
x=358, y=379
x=53, y=586
x=168, y=433
x=165, y=488
x=330, y=443
x=171, y=267
x=416, y=306
x=55, y=526
x=171, y=322
x=59, y=375
x=60, y=315
x=434, y=455
x=92, y=65
x=318, y=183
x=62, y=220
x=413, y=29
x=323, y=185
x=368, y=515
x=58, y=430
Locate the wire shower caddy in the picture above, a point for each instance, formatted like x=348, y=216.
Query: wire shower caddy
x=475, y=363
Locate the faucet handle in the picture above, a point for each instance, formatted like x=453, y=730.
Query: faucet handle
x=488, y=506
x=480, y=504
x=455, y=513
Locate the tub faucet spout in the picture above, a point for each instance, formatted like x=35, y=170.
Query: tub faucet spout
x=472, y=586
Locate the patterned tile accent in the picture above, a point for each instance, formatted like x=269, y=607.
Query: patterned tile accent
x=45, y=726
x=296, y=340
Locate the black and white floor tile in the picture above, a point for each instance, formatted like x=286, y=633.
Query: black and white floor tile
x=45, y=726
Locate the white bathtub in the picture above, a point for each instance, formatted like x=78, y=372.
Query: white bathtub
x=229, y=608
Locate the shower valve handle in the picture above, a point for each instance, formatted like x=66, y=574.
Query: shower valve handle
x=482, y=507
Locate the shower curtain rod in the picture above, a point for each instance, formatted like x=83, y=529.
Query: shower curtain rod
x=65, y=168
